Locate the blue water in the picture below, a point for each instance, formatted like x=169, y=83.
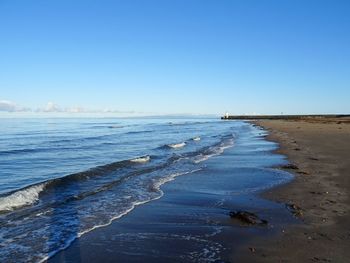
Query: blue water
x=68, y=176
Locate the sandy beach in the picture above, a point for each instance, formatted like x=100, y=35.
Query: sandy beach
x=319, y=153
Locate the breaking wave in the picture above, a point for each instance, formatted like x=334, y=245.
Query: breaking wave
x=177, y=145
x=24, y=197
x=93, y=198
x=143, y=159
x=126, y=168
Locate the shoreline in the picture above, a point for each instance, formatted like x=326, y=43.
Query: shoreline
x=186, y=217
x=192, y=219
x=318, y=151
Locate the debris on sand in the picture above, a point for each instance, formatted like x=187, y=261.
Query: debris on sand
x=290, y=166
x=252, y=249
x=316, y=193
x=296, y=210
x=247, y=218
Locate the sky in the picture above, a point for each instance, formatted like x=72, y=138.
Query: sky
x=174, y=57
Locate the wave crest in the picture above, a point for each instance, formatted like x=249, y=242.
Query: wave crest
x=20, y=198
x=177, y=145
x=143, y=159
x=214, y=151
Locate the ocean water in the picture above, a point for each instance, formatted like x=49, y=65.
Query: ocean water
x=61, y=178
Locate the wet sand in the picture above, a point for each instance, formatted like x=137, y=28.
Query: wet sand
x=320, y=150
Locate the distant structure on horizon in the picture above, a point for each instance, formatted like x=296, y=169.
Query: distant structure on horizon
x=284, y=117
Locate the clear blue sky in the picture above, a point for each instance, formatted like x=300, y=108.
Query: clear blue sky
x=179, y=56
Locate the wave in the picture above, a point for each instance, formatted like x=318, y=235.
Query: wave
x=143, y=159
x=59, y=145
x=171, y=177
x=155, y=187
x=107, y=125
x=30, y=194
x=23, y=150
x=214, y=150
x=81, y=139
x=93, y=198
x=125, y=170
x=187, y=123
x=43, y=149
x=24, y=197
x=176, y=145
x=196, y=138
x=138, y=132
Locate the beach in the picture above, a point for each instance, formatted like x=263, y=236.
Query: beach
x=131, y=190
x=178, y=191
x=175, y=131
x=191, y=221
x=319, y=150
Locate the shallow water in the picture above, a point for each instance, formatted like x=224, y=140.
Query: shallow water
x=62, y=178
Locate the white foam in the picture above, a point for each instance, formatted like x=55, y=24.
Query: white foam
x=215, y=151
x=169, y=178
x=21, y=198
x=200, y=158
x=177, y=145
x=157, y=185
x=143, y=159
x=226, y=145
x=196, y=138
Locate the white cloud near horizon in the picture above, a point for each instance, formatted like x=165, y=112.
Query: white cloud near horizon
x=10, y=106
x=51, y=107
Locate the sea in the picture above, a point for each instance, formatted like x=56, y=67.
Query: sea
x=62, y=178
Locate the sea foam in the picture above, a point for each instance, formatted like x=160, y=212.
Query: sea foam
x=143, y=159
x=21, y=198
x=214, y=151
x=177, y=145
